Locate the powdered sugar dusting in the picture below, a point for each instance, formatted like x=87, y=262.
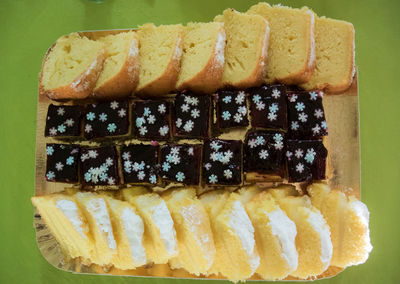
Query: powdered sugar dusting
x=71, y=211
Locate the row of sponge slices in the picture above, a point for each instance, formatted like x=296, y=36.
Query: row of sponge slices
x=274, y=233
x=267, y=44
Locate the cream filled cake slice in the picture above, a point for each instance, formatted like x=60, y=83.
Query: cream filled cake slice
x=68, y=225
x=160, y=235
x=203, y=57
x=275, y=235
x=246, y=49
x=97, y=214
x=348, y=219
x=128, y=231
x=194, y=235
x=313, y=241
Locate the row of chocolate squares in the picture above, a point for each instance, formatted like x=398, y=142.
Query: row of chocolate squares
x=218, y=162
x=271, y=107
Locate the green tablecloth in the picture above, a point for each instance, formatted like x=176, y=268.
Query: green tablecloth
x=28, y=28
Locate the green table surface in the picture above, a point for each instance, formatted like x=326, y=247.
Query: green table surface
x=28, y=28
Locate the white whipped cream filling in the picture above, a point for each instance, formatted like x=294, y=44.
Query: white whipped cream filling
x=319, y=225
x=178, y=50
x=98, y=208
x=312, y=33
x=240, y=223
x=134, y=230
x=71, y=211
x=265, y=41
x=220, y=48
x=285, y=230
x=163, y=221
x=133, y=49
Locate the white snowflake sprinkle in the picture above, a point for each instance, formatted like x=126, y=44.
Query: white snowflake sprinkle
x=136, y=166
x=164, y=130
x=276, y=93
x=143, y=130
x=213, y=179
x=122, y=112
x=242, y=110
x=88, y=128
x=103, y=176
x=162, y=109
x=278, y=145
x=178, y=122
x=126, y=155
x=69, y=161
x=303, y=117
x=69, y=122
x=294, y=125
x=316, y=129
x=252, y=143
x=300, y=106
x=111, y=127
x=61, y=111
x=215, y=145
x=111, y=181
x=195, y=113
x=185, y=108
x=299, y=167
x=207, y=166
x=240, y=98
x=310, y=155
x=180, y=176
x=151, y=119
x=188, y=127
x=141, y=175
x=318, y=113
x=226, y=115
x=175, y=159
x=49, y=150
x=289, y=154
x=190, y=151
x=140, y=121
x=260, y=106
x=53, y=131
x=103, y=117
x=50, y=175
x=256, y=99
x=227, y=99
x=114, y=105
x=109, y=161
x=215, y=156
x=175, y=150
x=274, y=107
x=153, y=179
x=59, y=166
x=166, y=166
x=93, y=154
x=188, y=99
x=228, y=174
x=260, y=140
x=313, y=96
x=146, y=111
x=88, y=176
x=272, y=116
x=323, y=124
x=194, y=101
x=298, y=153
x=292, y=98
x=278, y=137
x=226, y=157
x=84, y=157
x=238, y=117
x=263, y=154
x=61, y=128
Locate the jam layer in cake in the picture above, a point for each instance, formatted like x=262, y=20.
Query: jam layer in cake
x=62, y=163
x=268, y=107
x=306, y=115
x=264, y=152
x=231, y=109
x=63, y=121
x=181, y=163
x=99, y=166
x=306, y=160
x=222, y=162
x=106, y=119
x=140, y=163
x=151, y=119
x=191, y=115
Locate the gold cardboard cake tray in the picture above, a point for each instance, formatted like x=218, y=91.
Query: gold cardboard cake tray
x=342, y=115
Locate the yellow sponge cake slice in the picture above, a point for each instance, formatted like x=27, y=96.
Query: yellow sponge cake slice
x=67, y=223
x=160, y=51
x=195, y=238
x=246, y=48
x=348, y=219
x=291, y=52
x=128, y=231
x=313, y=241
x=160, y=235
x=203, y=57
x=120, y=73
x=275, y=237
x=71, y=67
x=97, y=214
x=334, y=49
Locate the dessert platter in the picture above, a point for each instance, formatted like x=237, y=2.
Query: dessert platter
x=220, y=150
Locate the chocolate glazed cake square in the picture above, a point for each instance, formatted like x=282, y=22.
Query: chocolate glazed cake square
x=99, y=166
x=306, y=115
x=222, y=162
x=191, y=115
x=140, y=163
x=306, y=160
x=264, y=153
x=106, y=119
x=151, y=120
x=63, y=121
x=268, y=108
x=62, y=163
x=231, y=109
x=181, y=163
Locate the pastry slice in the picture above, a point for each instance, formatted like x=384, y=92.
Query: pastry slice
x=68, y=225
x=160, y=51
x=71, y=67
x=334, y=49
x=97, y=214
x=246, y=48
x=203, y=57
x=348, y=219
x=291, y=52
x=128, y=231
x=192, y=224
x=120, y=73
x=275, y=236
x=313, y=241
x=160, y=236
x=237, y=257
